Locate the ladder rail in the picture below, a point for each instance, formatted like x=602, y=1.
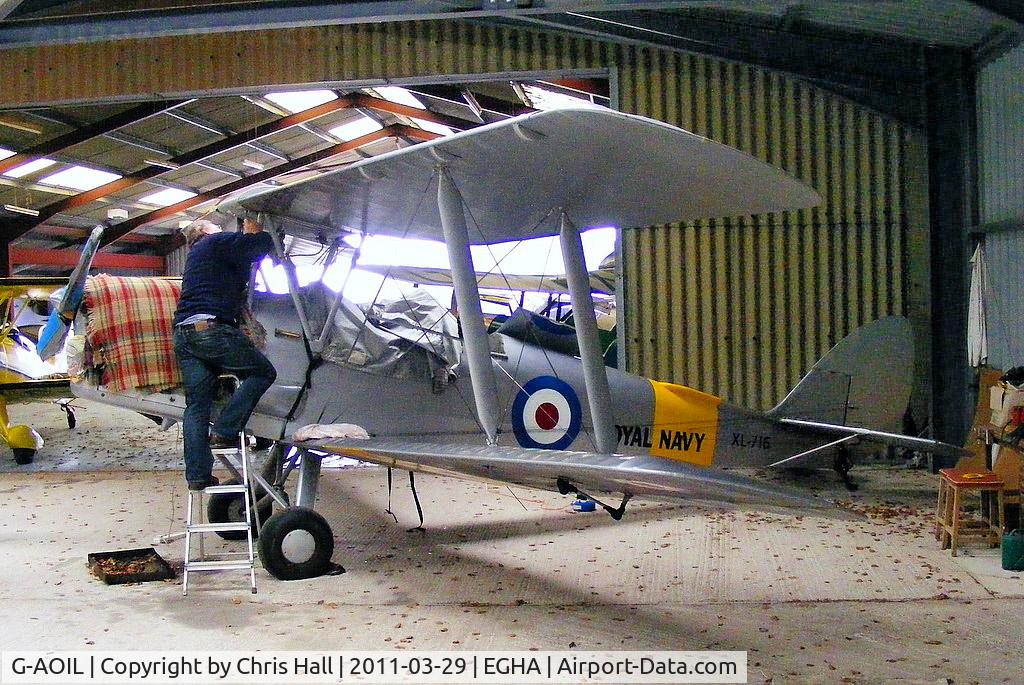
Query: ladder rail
x=247, y=491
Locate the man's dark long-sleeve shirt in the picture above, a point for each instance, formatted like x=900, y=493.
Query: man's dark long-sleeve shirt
x=217, y=274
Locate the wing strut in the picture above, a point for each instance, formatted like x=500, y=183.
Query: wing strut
x=594, y=374
x=467, y=296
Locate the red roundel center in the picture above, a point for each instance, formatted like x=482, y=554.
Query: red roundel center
x=546, y=416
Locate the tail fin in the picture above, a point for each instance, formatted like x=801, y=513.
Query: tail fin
x=864, y=381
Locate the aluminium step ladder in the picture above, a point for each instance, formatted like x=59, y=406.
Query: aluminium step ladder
x=242, y=561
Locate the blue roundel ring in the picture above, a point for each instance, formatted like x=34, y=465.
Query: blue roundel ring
x=546, y=414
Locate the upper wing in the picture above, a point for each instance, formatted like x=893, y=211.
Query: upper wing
x=600, y=166
x=593, y=473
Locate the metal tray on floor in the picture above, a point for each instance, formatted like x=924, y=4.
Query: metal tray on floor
x=129, y=566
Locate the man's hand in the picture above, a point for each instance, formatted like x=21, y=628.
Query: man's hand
x=250, y=226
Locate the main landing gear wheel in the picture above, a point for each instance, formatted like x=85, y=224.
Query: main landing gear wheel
x=23, y=455
x=296, y=543
x=230, y=509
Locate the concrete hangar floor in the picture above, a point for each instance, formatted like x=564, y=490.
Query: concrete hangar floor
x=811, y=599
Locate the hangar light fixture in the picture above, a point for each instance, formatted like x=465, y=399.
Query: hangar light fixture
x=162, y=163
x=402, y=96
x=29, y=167
x=79, y=178
x=301, y=100
x=5, y=153
x=21, y=210
x=355, y=128
x=167, y=196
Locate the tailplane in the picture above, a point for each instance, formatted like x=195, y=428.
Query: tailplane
x=864, y=381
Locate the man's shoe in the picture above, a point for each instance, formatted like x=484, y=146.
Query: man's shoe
x=219, y=442
x=203, y=484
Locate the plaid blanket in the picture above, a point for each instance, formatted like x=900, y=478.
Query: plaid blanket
x=130, y=331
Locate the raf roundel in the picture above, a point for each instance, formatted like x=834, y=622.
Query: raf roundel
x=546, y=414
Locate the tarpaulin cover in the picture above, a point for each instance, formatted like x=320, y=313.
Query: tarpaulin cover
x=130, y=331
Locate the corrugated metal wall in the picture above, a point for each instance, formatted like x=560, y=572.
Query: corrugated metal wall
x=741, y=308
x=1000, y=113
x=744, y=307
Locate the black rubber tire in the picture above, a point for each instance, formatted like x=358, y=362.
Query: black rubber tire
x=23, y=455
x=228, y=509
x=288, y=521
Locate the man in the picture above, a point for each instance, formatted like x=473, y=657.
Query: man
x=208, y=342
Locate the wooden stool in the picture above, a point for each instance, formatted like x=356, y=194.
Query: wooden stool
x=950, y=529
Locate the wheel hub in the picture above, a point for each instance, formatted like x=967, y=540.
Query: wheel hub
x=298, y=546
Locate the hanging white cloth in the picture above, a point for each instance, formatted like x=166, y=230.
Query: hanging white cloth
x=977, y=328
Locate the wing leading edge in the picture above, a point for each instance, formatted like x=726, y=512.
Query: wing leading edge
x=600, y=167
x=590, y=472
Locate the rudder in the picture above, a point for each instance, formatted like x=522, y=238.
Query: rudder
x=865, y=380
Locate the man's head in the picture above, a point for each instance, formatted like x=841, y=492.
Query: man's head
x=197, y=229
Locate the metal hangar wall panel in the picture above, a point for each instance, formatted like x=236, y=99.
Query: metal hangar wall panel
x=1000, y=114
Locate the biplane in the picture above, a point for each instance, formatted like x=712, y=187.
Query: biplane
x=442, y=396
x=24, y=308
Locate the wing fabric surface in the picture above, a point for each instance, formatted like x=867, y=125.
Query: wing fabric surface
x=590, y=472
x=600, y=166
x=601, y=281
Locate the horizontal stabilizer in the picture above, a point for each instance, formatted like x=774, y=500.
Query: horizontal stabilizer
x=894, y=439
x=589, y=472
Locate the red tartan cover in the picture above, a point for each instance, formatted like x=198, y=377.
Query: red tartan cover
x=130, y=330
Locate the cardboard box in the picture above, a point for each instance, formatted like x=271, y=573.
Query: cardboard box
x=1003, y=397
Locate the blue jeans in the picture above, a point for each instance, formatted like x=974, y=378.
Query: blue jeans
x=203, y=356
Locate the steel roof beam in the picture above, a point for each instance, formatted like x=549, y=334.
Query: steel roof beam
x=199, y=155
x=186, y=19
x=122, y=228
x=884, y=74
x=107, y=260
x=87, y=132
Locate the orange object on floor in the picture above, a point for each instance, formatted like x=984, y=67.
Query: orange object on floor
x=950, y=526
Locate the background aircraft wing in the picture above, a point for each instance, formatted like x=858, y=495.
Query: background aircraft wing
x=590, y=472
x=600, y=166
x=601, y=280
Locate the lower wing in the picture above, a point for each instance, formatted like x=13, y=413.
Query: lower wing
x=587, y=471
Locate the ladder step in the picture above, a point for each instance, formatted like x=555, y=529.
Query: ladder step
x=222, y=565
x=216, y=527
x=225, y=450
x=223, y=489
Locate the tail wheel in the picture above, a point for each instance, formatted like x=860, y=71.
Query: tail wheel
x=231, y=509
x=23, y=455
x=296, y=543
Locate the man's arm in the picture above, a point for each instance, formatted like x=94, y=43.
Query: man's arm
x=253, y=243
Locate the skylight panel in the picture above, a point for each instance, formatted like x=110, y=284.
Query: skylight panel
x=79, y=178
x=301, y=100
x=29, y=167
x=545, y=99
x=355, y=129
x=401, y=96
x=167, y=196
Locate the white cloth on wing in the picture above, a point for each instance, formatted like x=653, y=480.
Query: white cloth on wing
x=317, y=431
